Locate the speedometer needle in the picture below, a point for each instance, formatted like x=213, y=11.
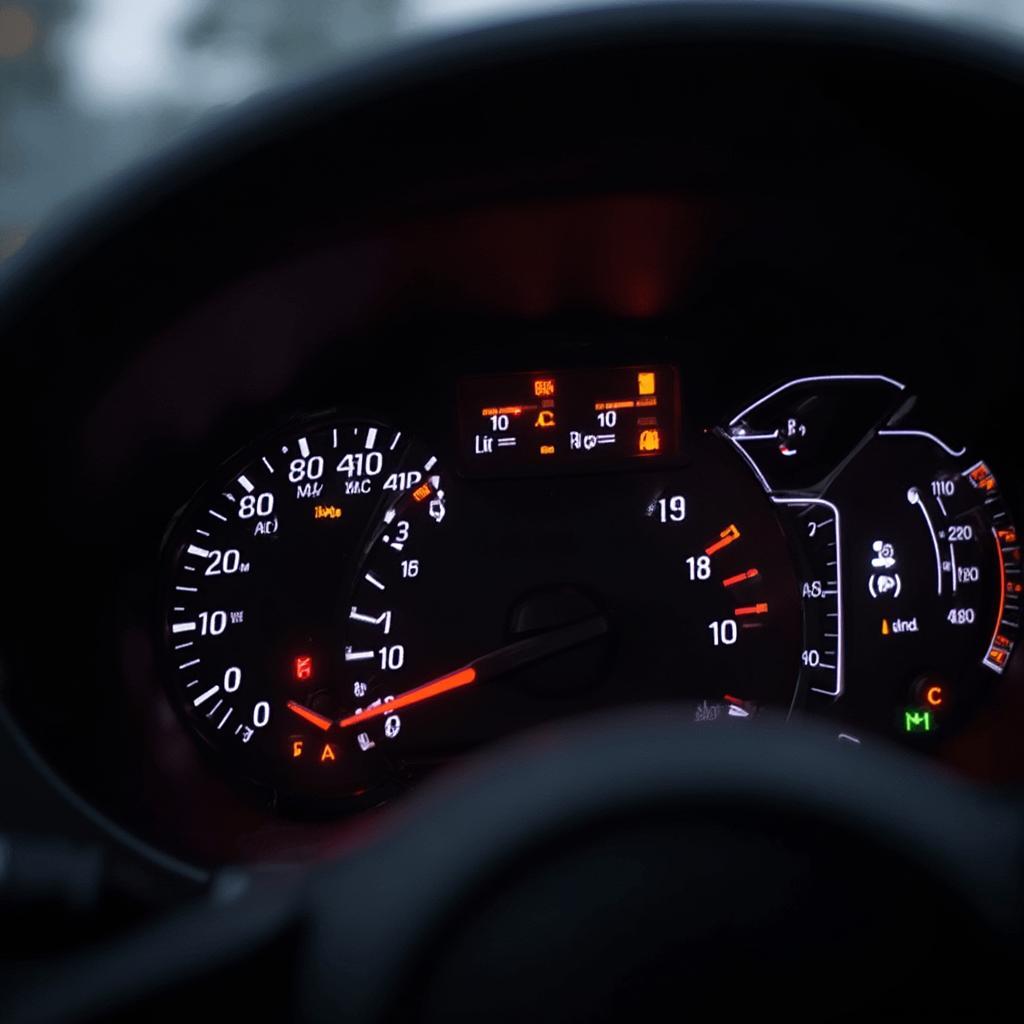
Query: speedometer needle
x=504, y=659
x=320, y=721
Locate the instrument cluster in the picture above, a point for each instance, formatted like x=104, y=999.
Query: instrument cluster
x=352, y=600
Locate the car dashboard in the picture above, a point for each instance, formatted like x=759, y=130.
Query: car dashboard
x=416, y=416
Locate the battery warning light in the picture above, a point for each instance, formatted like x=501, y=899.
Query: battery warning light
x=650, y=441
x=645, y=382
x=544, y=387
x=421, y=493
x=303, y=668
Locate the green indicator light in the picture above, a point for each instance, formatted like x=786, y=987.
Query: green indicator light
x=917, y=721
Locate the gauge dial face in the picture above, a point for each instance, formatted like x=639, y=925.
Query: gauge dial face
x=933, y=579
x=666, y=586
x=259, y=568
x=340, y=615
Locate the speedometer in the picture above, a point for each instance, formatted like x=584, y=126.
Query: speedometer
x=258, y=568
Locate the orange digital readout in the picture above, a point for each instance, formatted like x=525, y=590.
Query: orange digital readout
x=544, y=387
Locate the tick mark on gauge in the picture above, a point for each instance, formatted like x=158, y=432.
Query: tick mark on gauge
x=740, y=577
x=761, y=608
x=371, y=437
x=351, y=655
x=304, y=447
x=183, y=627
x=270, y=469
x=246, y=484
x=217, y=515
x=205, y=696
x=189, y=664
x=192, y=549
x=373, y=581
x=725, y=538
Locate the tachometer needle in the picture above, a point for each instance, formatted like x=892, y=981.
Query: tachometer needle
x=496, y=662
x=320, y=721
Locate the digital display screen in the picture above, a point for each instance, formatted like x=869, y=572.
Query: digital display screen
x=604, y=418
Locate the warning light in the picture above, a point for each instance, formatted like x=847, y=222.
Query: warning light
x=645, y=383
x=421, y=492
x=935, y=696
x=982, y=478
x=327, y=754
x=326, y=512
x=998, y=656
x=1007, y=536
x=547, y=449
x=725, y=538
x=544, y=387
x=650, y=441
x=297, y=748
x=885, y=627
x=545, y=419
x=917, y=721
x=303, y=667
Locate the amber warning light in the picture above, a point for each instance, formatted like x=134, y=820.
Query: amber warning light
x=580, y=419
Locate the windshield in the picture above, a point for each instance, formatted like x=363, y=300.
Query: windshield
x=88, y=86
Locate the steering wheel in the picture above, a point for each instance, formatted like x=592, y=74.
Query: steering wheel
x=621, y=864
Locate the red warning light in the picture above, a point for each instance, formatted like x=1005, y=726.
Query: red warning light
x=303, y=668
